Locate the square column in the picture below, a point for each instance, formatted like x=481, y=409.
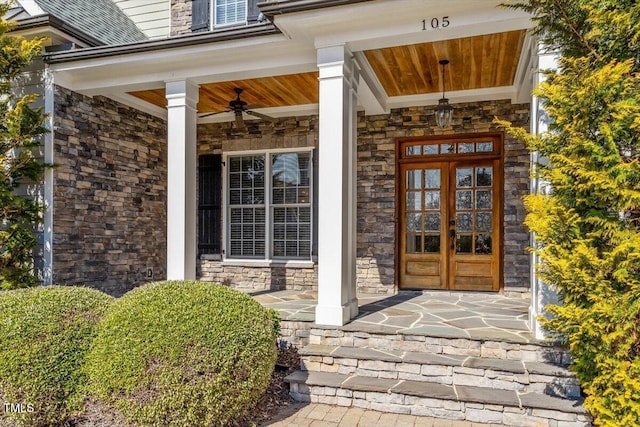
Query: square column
x=541, y=293
x=182, y=100
x=337, y=301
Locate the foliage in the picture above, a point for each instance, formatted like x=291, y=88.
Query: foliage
x=45, y=333
x=20, y=127
x=587, y=229
x=183, y=354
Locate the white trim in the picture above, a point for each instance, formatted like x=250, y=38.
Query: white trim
x=268, y=263
x=49, y=178
x=31, y=7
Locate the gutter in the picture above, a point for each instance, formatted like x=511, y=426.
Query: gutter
x=270, y=8
x=47, y=20
x=237, y=33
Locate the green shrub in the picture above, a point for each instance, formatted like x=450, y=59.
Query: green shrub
x=45, y=333
x=182, y=354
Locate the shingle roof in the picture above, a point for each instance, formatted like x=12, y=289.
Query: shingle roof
x=99, y=18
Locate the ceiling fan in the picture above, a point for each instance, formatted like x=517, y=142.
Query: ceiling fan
x=237, y=107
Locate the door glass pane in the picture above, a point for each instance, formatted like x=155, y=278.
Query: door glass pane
x=432, y=243
x=463, y=199
x=463, y=243
x=432, y=222
x=483, y=199
x=414, y=201
x=484, y=177
x=464, y=177
x=465, y=147
x=432, y=178
x=483, y=244
x=430, y=149
x=463, y=222
x=413, y=150
x=414, y=179
x=414, y=222
x=414, y=242
x=484, y=221
x=484, y=147
x=432, y=200
x=447, y=148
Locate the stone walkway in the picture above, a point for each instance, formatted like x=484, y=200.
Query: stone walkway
x=317, y=415
x=433, y=313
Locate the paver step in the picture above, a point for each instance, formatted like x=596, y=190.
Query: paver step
x=453, y=369
x=425, y=398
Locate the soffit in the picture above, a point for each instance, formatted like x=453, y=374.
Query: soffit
x=477, y=62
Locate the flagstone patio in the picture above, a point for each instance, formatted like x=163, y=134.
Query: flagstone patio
x=431, y=313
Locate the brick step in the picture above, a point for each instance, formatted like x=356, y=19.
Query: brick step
x=301, y=334
x=523, y=376
x=426, y=398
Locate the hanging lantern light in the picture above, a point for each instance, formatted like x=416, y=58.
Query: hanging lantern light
x=444, y=110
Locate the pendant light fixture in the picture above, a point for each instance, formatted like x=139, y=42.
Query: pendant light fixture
x=444, y=110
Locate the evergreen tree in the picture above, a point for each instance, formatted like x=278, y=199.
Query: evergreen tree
x=20, y=127
x=587, y=230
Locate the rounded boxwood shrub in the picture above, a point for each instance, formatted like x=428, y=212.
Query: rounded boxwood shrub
x=45, y=333
x=183, y=354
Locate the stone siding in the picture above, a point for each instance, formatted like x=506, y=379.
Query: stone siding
x=376, y=189
x=109, y=193
x=287, y=133
x=376, y=186
x=180, y=17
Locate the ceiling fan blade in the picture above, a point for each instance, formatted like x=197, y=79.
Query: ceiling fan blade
x=213, y=114
x=262, y=116
x=239, y=120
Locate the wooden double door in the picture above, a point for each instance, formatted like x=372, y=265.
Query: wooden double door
x=450, y=214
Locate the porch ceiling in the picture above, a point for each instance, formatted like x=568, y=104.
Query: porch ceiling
x=476, y=63
x=263, y=92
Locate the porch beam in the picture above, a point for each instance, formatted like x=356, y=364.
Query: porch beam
x=337, y=302
x=182, y=100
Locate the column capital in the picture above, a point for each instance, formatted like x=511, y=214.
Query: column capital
x=181, y=92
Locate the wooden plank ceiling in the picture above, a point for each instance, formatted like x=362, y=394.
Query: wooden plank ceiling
x=264, y=92
x=475, y=63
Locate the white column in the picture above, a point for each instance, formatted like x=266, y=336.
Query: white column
x=541, y=293
x=182, y=100
x=49, y=185
x=337, y=302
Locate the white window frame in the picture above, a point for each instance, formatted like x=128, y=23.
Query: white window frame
x=213, y=17
x=268, y=259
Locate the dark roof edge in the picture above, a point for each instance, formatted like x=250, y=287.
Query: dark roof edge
x=256, y=30
x=45, y=20
x=277, y=7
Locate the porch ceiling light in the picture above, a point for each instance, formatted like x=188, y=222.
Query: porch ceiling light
x=444, y=110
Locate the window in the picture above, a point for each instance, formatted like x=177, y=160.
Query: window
x=209, y=204
x=269, y=205
x=229, y=12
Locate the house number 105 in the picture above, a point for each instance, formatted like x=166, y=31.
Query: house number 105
x=435, y=23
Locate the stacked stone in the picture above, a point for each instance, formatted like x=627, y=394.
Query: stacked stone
x=180, y=17
x=110, y=186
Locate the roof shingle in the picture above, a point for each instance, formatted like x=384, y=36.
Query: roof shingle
x=100, y=18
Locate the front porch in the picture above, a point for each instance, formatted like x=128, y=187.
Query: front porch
x=448, y=355
x=454, y=315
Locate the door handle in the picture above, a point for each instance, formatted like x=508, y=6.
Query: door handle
x=452, y=238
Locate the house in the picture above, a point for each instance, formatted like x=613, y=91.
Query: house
x=288, y=144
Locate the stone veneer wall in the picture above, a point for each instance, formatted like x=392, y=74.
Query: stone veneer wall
x=287, y=133
x=376, y=186
x=376, y=190
x=180, y=17
x=109, y=193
